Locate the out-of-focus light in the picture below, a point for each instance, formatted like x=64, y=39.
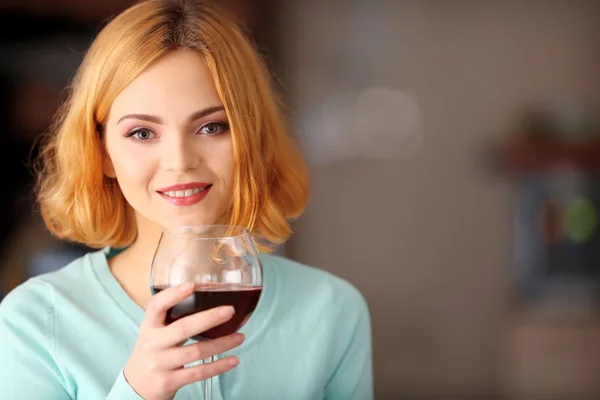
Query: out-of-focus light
x=376, y=123
x=580, y=219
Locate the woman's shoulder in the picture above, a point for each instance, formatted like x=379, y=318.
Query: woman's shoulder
x=38, y=292
x=300, y=281
x=31, y=334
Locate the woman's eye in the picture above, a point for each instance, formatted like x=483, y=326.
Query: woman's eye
x=214, y=128
x=141, y=134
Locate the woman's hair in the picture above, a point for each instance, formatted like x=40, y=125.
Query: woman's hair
x=79, y=203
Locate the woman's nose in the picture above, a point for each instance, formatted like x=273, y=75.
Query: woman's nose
x=180, y=154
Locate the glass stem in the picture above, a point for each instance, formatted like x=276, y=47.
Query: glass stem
x=208, y=383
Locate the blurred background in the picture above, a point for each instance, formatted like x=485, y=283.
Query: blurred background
x=454, y=148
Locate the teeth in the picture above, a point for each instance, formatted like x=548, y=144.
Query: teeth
x=184, y=193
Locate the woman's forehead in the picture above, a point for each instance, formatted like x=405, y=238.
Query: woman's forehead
x=175, y=86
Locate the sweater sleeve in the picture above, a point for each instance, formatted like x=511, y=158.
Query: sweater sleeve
x=28, y=368
x=122, y=391
x=352, y=378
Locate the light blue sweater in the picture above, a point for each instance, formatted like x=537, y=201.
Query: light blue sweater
x=68, y=335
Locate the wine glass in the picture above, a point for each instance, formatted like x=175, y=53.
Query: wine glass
x=223, y=263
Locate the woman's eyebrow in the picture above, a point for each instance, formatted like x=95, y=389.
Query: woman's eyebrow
x=157, y=120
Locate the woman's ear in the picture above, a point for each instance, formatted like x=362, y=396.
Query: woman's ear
x=107, y=166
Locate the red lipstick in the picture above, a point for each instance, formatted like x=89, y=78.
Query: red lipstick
x=185, y=194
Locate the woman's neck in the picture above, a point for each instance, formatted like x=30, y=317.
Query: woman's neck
x=131, y=267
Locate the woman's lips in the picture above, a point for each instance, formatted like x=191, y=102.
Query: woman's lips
x=185, y=194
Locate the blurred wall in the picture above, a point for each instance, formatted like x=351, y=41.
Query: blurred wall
x=426, y=234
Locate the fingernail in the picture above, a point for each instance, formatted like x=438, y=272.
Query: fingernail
x=233, y=361
x=186, y=287
x=226, y=311
x=240, y=337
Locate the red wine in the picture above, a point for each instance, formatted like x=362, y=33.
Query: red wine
x=209, y=295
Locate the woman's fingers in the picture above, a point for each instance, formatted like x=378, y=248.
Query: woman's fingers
x=160, y=303
x=180, y=356
x=203, y=372
x=195, y=324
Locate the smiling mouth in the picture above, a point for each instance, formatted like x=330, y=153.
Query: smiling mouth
x=184, y=193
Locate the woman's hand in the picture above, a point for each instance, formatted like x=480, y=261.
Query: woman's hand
x=155, y=368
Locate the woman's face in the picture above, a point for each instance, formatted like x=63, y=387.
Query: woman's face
x=168, y=144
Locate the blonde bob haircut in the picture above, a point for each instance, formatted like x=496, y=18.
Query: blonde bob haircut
x=79, y=203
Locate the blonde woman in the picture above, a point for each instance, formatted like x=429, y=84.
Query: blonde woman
x=172, y=93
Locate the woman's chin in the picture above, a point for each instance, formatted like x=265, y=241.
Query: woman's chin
x=190, y=221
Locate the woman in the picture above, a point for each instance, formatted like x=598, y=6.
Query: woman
x=172, y=93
